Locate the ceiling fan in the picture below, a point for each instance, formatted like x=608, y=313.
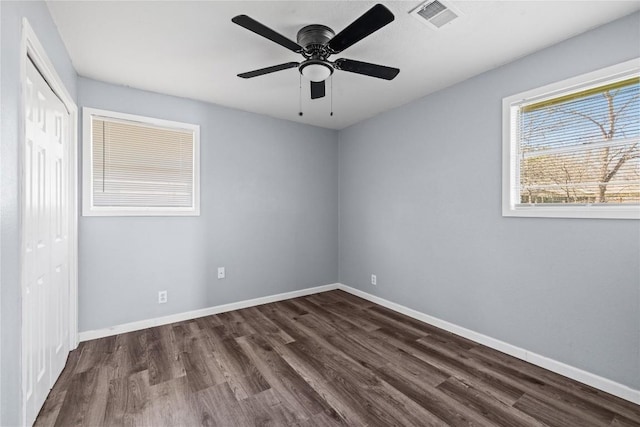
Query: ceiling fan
x=317, y=42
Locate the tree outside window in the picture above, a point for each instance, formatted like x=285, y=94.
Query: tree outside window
x=582, y=147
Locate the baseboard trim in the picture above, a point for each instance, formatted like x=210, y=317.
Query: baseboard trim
x=194, y=314
x=593, y=380
x=601, y=383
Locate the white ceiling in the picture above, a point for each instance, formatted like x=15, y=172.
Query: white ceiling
x=193, y=50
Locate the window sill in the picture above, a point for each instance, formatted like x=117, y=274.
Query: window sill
x=576, y=211
x=93, y=211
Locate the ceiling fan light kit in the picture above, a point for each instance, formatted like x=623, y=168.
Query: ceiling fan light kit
x=316, y=71
x=317, y=42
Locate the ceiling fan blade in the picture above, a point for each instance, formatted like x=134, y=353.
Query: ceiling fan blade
x=267, y=70
x=264, y=31
x=373, y=70
x=317, y=90
x=372, y=20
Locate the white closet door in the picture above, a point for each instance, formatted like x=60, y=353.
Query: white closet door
x=46, y=298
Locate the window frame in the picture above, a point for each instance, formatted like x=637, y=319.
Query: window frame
x=88, y=209
x=510, y=147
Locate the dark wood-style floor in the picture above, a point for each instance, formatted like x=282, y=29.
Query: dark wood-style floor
x=322, y=360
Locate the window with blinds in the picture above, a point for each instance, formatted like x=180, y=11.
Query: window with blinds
x=574, y=148
x=139, y=166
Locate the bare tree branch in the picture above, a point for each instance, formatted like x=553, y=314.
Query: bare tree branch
x=626, y=104
x=584, y=116
x=612, y=115
x=621, y=161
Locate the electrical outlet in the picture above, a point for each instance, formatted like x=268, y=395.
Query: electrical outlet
x=162, y=297
x=374, y=280
x=221, y=273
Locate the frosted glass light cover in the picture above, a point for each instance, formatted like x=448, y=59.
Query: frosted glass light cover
x=316, y=72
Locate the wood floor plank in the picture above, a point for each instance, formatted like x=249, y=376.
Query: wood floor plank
x=542, y=390
x=95, y=353
x=216, y=406
x=452, y=366
x=408, y=330
x=506, y=390
x=377, y=402
x=164, y=361
x=97, y=402
x=241, y=374
x=350, y=313
x=490, y=408
x=127, y=399
x=169, y=405
x=185, y=335
x=281, y=320
x=267, y=409
x=323, y=419
x=426, y=329
x=431, y=399
x=85, y=398
x=528, y=384
x=263, y=325
x=354, y=345
x=622, y=421
x=201, y=368
x=327, y=359
x=352, y=299
x=200, y=324
x=322, y=311
x=69, y=370
x=590, y=394
x=342, y=389
x=292, y=307
x=235, y=324
x=345, y=405
x=339, y=335
x=553, y=415
x=283, y=378
x=51, y=409
x=128, y=357
x=421, y=371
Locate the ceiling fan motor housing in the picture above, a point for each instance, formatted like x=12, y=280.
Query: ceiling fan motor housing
x=314, y=39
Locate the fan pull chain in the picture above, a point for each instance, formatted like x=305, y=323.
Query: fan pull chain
x=300, y=96
x=331, y=96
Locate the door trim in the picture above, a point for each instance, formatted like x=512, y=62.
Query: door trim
x=32, y=49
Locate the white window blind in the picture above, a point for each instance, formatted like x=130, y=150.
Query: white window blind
x=582, y=147
x=141, y=167
x=571, y=149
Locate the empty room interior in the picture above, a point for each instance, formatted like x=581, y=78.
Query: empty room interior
x=319, y=213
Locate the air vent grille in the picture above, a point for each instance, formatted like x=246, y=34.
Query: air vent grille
x=435, y=13
x=430, y=10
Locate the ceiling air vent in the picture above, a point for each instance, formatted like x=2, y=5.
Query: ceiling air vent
x=435, y=13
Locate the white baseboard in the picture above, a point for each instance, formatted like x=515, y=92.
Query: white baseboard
x=194, y=314
x=601, y=383
x=577, y=374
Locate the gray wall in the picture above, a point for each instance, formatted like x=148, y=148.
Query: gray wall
x=11, y=32
x=269, y=214
x=420, y=206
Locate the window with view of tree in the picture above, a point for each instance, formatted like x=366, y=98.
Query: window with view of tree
x=576, y=149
